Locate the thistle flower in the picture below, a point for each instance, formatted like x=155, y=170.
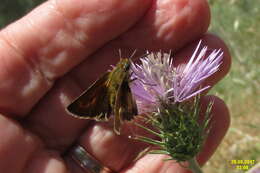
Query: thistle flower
x=157, y=79
x=162, y=89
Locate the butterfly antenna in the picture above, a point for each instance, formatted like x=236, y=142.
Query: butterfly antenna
x=133, y=54
x=144, y=55
x=120, y=53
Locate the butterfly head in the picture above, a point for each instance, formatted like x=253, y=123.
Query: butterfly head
x=124, y=64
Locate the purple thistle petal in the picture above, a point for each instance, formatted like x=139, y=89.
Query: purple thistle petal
x=156, y=79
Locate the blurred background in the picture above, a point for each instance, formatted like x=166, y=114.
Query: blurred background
x=238, y=23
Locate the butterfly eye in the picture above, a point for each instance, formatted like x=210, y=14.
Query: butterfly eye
x=127, y=66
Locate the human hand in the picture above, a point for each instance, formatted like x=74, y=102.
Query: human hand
x=40, y=77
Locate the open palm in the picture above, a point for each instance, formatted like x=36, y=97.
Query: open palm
x=55, y=52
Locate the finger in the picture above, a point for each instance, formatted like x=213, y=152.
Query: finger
x=118, y=152
x=16, y=146
x=52, y=39
x=51, y=122
x=219, y=125
x=45, y=161
x=22, y=152
x=168, y=25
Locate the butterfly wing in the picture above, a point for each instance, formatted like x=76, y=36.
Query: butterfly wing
x=125, y=106
x=94, y=102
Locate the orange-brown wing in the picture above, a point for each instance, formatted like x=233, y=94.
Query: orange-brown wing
x=94, y=102
x=125, y=106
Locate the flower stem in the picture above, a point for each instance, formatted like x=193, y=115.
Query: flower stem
x=194, y=166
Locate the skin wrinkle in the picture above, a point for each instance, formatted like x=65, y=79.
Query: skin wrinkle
x=105, y=11
x=27, y=145
x=77, y=21
x=51, y=75
x=35, y=143
x=5, y=37
x=174, y=39
x=99, y=139
x=43, y=119
x=165, y=7
x=51, y=60
x=5, y=71
x=43, y=161
x=73, y=25
x=36, y=62
x=167, y=32
x=29, y=62
x=32, y=83
x=29, y=57
x=21, y=86
x=72, y=12
x=141, y=165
